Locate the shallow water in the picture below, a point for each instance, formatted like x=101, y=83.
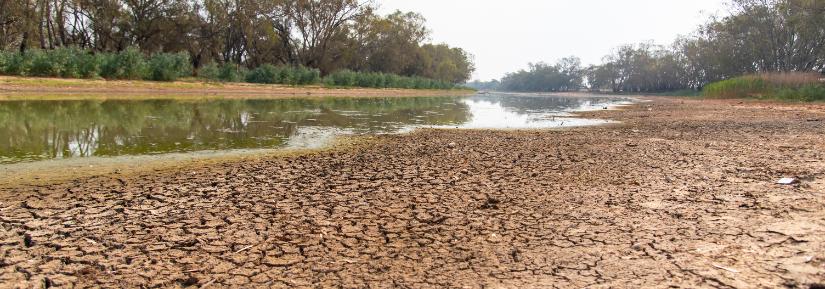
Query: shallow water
x=59, y=129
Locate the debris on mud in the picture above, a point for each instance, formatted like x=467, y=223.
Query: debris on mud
x=788, y=181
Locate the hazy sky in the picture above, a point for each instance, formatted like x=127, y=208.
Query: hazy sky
x=505, y=35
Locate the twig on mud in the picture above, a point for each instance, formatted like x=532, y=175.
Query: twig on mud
x=726, y=268
x=244, y=249
x=790, y=237
x=208, y=283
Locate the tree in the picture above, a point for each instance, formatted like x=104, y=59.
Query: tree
x=759, y=36
x=316, y=23
x=329, y=35
x=565, y=75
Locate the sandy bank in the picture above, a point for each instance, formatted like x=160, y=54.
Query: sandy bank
x=56, y=88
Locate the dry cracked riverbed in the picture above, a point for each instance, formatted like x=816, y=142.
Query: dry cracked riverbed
x=682, y=194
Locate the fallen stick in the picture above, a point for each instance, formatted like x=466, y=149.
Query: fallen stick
x=726, y=268
x=244, y=249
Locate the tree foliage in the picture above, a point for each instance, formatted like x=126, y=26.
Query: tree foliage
x=328, y=35
x=565, y=75
x=759, y=36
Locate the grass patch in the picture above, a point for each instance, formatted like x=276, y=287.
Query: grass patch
x=778, y=86
x=683, y=92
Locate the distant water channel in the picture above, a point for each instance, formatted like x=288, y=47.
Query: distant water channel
x=59, y=129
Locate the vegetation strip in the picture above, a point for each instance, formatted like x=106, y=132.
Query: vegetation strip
x=292, y=42
x=131, y=64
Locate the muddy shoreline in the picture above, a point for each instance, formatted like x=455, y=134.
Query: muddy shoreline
x=681, y=193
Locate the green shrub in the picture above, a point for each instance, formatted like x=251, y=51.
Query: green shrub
x=804, y=93
x=127, y=64
x=736, y=88
x=209, y=72
x=168, y=66
x=61, y=62
x=4, y=58
x=42, y=63
x=347, y=78
x=779, y=86
x=306, y=76
x=17, y=64
x=109, y=67
x=286, y=76
x=271, y=74
x=87, y=65
x=368, y=79
x=341, y=78
x=74, y=63
x=67, y=59
x=225, y=73
x=266, y=73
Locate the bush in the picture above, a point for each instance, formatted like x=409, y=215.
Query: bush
x=305, y=76
x=60, y=62
x=127, y=64
x=341, y=78
x=168, y=66
x=348, y=78
x=271, y=74
x=266, y=73
x=225, y=73
x=87, y=65
x=209, y=72
x=367, y=79
x=43, y=64
x=68, y=60
x=736, y=88
x=804, y=93
x=4, y=58
x=794, y=86
x=17, y=64
x=286, y=76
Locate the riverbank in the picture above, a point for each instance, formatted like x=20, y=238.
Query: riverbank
x=12, y=88
x=681, y=193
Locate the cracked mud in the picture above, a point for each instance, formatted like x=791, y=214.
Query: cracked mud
x=682, y=193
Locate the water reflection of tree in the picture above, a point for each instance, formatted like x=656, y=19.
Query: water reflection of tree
x=523, y=104
x=54, y=129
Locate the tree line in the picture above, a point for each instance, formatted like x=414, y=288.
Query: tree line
x=132, y=64
x=328, y=35
x=759, y=36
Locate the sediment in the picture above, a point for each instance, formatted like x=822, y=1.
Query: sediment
x=682, y=193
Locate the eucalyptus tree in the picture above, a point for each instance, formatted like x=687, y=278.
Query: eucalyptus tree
x=759, y=36
x=566, y=75
x=316, y=24
x=329, y=35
